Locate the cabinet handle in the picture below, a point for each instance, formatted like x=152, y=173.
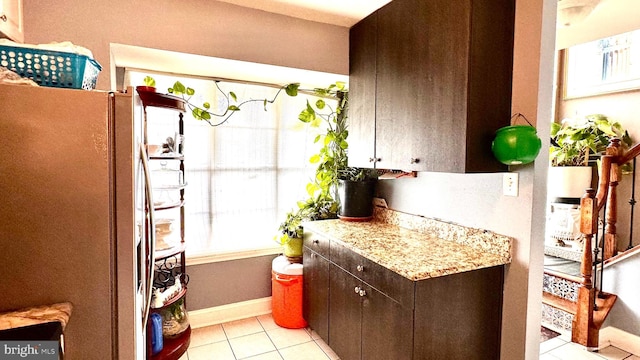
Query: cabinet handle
x=372, y=159
x=313, y=255
x=360, y=268
x=357, y=289
x=316, y=241
x=415, y=160
x=362, y=293
x=3, y=17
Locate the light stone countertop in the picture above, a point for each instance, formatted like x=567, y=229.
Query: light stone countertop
x=429, y=249
x=59, y=312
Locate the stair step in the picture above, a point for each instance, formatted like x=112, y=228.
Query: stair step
x=604, y=302
x=559, y=303
x=561, y=285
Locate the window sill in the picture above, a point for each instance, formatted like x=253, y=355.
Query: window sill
x=208, y=258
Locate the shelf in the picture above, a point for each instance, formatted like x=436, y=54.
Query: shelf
x=171, y=187
x=172, y=251
x=168, y=156
x=166, y=101
x=173, y=205
x=178, y=296
x=174, y=348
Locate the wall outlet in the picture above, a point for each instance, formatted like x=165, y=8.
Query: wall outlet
x=510, y=184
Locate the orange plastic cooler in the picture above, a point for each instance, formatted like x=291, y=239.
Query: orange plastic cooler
x=286, y=293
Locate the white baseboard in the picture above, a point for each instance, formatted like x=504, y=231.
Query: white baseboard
x=620, y=339
x=230, y=312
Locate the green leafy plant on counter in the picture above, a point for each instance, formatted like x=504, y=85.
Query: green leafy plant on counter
x=331, y=159
x=574, y=142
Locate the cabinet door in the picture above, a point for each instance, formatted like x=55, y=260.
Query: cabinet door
x=387, y=327
x=11, y=24
x=345, y=314
x=459, y=316
x=422, y=84
x=362, y=92
x=315, y=306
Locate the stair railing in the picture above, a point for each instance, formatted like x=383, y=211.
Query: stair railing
x=585, y=329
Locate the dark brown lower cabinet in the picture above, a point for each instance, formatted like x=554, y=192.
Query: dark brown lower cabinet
x=451, y=317
x=459, y=316
x=366, y=324
x=345, y=313
x=315, y=307
x=387, y=327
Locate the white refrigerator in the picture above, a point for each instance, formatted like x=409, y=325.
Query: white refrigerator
x=73, y=215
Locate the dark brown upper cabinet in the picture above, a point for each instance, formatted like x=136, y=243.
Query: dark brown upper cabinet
x=430, y=83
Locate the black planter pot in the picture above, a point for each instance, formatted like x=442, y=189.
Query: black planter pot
x=356, y=199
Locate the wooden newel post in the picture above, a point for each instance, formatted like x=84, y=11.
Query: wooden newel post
x=610, y=242
x=584, y=331
x=588, y=227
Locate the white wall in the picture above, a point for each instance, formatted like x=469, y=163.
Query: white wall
x=619, y=279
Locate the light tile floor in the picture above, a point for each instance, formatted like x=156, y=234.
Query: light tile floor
x=561, y=348
x=256, y=338
x=259, y=338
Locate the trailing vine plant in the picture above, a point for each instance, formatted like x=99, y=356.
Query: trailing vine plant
x=205, y=113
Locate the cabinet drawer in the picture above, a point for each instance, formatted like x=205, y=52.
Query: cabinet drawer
x=316, y=243
x=384, y=280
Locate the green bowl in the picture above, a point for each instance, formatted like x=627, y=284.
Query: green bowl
x=516, y=144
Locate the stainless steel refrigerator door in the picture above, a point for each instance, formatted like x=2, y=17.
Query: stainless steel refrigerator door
x=129, y=188
x=59, y=233
x=68, y=213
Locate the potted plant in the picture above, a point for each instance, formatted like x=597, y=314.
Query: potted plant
x=575, y=146
x=149, y=85
x=355, y=191
x=350, y=188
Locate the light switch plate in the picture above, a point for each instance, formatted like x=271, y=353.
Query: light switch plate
x=510, y=184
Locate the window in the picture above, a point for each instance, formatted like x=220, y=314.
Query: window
x=243, y=176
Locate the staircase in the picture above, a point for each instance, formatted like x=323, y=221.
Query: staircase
x=572, y=299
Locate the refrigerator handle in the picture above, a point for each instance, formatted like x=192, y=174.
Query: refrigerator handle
x=151, y=234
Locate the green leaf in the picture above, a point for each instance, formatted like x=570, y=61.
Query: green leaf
x=292, y=89
x=314, y=159
x=307, y=115
x=190, y=91
x=149, y=81
x=206, y=105
x=178, y=88
x=233, y=108
x=264, y=104
x=233, y=96
x=320, y=104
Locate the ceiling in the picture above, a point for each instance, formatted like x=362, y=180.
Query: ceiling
x=610, y=17
x=337, y=12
